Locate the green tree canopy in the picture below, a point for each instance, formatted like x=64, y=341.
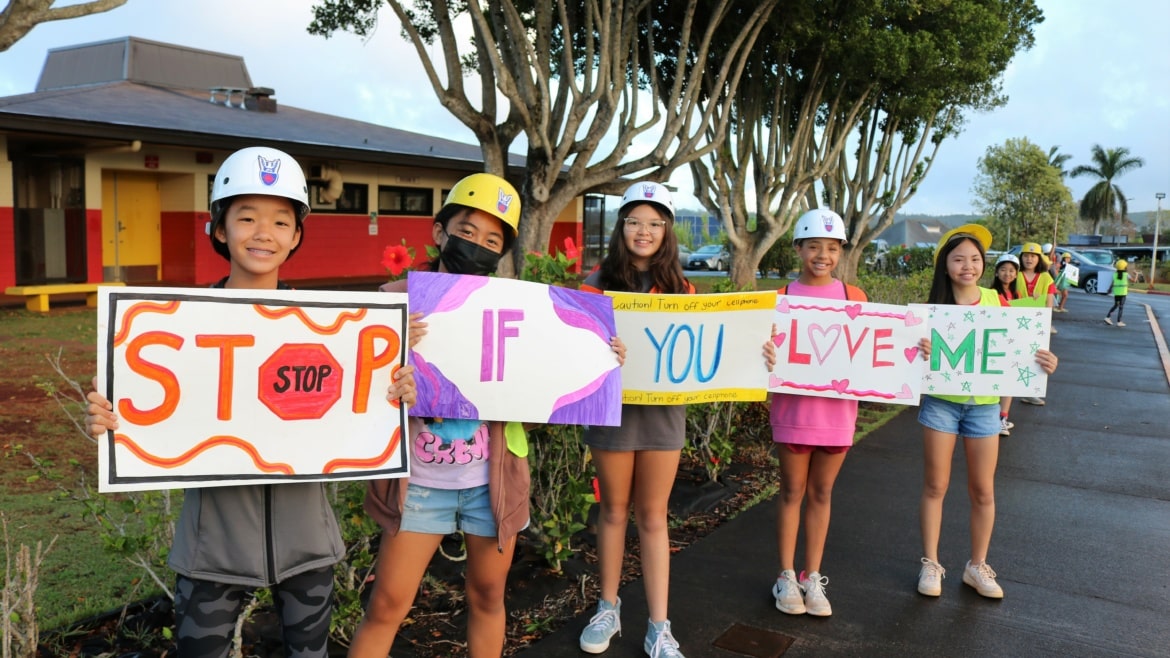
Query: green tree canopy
x=1105, y=198
x=1022, y=195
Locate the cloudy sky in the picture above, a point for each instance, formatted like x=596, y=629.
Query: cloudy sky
x=1099, y=74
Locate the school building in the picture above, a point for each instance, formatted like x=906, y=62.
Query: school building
x=106, y=172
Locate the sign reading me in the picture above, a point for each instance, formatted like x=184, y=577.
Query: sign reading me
x=218, y=387
x=986, y=350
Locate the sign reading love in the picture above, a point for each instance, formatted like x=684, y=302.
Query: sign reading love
x=842, y=349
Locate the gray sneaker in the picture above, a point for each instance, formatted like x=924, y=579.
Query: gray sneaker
x=930, y=578
x=786, y=591
x=660, y=643
x=602, y=626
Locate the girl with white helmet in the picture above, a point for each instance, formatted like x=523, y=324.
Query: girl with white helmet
x=231, y=540
x=645, y=450
x=812, y=434
x=1007, y=269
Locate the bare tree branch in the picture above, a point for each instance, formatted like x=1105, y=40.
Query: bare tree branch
x=21, y=16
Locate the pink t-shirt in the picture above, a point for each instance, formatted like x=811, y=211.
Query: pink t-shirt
x=808, y=420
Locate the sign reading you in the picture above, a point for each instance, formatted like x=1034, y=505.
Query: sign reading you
x=684, y=349
x=218, y=387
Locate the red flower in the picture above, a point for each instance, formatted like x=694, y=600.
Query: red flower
x=396, y=258
x=571, y=250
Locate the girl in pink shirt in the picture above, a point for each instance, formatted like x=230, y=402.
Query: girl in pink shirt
x=812, y=433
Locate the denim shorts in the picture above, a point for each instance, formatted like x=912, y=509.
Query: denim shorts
x=443, y=511
x=973, y=421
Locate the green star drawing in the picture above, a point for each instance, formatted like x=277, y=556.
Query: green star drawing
x=1032, y=347
x=1023, y=323
x=1025, y=375
x=931, y=388
x=969, y=316
x=946, y=376
x=995, y=387
x=1017, y=352
x=966, y=387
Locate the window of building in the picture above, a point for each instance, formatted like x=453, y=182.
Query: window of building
x=354, y=198
x=406, y=201
x=49, y=222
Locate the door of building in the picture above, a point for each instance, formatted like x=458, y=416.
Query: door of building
x=131, y=236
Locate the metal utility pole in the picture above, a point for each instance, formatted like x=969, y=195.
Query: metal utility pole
x=1157, y=224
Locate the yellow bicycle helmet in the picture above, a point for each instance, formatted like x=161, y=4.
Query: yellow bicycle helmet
x=1121, y=265
x=491, y=194
x=980, y=233
x=1034, y=248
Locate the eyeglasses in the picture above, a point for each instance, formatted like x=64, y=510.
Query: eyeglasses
x=635, y=225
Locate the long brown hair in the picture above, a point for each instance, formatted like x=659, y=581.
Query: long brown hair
x=618, y=272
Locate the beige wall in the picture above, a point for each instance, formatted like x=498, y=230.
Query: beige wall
x=6, y=192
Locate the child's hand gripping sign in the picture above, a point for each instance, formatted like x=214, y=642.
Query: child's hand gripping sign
x=219, y=387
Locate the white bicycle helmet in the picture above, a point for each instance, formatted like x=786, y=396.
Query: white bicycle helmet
x=257, y=170
x=648, y=192
x=819, y=223
x=1007, y=258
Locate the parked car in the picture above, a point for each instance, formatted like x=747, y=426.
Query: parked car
x=709, y=257
x=684, y=255
x=1095, y=266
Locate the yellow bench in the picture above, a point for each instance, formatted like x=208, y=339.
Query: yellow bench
x=37, y=297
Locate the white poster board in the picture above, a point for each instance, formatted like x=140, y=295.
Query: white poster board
x=986, y=350
x=843, y=349
x=218, y=387
x=501, y=349
x=684, y=349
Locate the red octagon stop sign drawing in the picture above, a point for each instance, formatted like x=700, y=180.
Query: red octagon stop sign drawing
x=300, y=381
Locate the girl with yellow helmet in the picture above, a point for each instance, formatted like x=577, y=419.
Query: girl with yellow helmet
x=463, y=475
x=1120, y=291
x=959, y=264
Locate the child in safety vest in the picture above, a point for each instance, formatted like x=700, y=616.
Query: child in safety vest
x=1120, y=291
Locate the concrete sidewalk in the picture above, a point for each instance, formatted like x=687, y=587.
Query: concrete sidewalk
x=1081, y=544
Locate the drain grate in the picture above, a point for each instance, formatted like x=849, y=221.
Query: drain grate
x=754, y=642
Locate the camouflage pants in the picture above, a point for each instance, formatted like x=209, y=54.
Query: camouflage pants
x=206, y=613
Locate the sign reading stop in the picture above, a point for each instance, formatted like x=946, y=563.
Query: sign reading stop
x=300, y=381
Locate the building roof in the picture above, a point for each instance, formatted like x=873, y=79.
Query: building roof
x=156, y=104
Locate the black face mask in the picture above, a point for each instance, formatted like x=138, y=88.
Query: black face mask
x=461, y=256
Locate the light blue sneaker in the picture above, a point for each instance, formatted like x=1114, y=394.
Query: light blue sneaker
x=602, y=626
x=659, y=641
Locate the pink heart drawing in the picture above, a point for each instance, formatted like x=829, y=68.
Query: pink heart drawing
x=778, y=339
x=782, y=306
x=827, y=341
x=840, y=385
x=911, y=354
x=774, y=381
x=853, y=310
x=912, y=319
x=904, y=393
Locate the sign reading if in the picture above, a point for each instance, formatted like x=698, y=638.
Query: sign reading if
x=219, y=387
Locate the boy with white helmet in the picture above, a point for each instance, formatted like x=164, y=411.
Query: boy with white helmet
x=231, y=540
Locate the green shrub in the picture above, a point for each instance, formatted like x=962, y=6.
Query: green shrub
x=910, y=289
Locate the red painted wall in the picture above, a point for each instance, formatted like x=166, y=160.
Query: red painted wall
x=7, y=248
x=336, y=246
x=93, y=245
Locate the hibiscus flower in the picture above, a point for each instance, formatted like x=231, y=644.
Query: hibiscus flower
x=396, y=258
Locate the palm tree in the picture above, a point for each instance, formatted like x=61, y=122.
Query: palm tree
x=1057, y=160
x=1104, y=198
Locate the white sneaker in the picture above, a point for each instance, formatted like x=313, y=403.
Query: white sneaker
x=1108, y=321
x=1005, y=428
x=815, y=602
x=982, y=578
x=930, y=578
x=1120, y=323
x=786, y=591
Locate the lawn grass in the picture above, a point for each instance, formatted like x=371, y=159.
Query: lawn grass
x=78, y=578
